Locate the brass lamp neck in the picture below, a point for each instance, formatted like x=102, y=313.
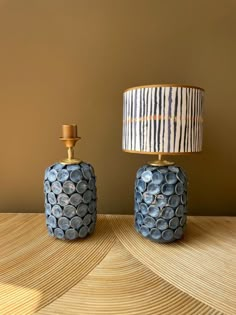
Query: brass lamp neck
x=69, y=137
x=70, y=152
x=160, y=162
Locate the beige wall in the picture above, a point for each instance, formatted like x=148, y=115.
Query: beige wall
x=69, y=62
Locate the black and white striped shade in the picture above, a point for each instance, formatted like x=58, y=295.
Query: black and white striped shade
x=163, y=119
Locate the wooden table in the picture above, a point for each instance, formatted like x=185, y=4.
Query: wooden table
x=116, y=271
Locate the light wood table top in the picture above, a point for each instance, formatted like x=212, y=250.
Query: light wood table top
x=117, y=271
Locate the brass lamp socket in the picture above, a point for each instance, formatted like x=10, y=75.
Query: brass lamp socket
x=69, y=137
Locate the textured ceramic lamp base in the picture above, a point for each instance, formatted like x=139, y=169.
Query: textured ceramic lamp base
x=161, y=202
x=70, y=200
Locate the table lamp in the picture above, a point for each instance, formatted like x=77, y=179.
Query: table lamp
x=163, y=119
x=70, y=193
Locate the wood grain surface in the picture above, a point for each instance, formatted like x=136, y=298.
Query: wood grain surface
x=117, y=271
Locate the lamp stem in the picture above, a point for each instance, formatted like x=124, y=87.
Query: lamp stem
x=70, y=153
x=160, y=162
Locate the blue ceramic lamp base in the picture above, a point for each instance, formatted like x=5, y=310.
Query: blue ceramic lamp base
x=161, y=202
x=70, y=200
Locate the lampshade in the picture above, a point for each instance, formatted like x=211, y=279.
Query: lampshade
x=163, y=119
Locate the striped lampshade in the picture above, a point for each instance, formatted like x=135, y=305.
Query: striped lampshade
x=163, y=119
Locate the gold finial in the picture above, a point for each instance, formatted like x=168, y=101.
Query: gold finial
x=69, y=137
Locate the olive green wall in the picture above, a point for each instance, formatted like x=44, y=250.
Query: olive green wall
x=69, y=62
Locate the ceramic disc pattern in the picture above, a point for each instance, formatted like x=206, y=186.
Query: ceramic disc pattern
x=161, y=202
x=70, y=200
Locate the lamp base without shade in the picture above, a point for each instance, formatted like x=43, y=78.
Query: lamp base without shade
x=70, y=200
x=161, y=202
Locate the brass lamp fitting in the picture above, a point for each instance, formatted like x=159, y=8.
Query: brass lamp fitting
x=69, y=137
x=160, y=162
